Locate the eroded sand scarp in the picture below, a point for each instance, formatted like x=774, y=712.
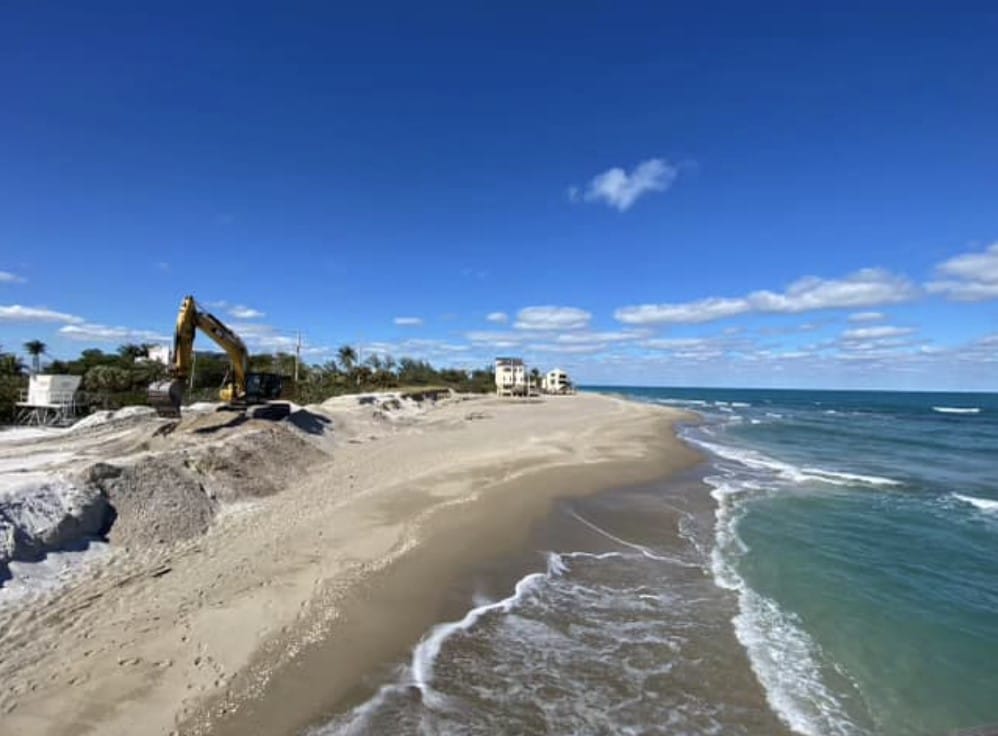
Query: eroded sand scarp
x=135, y=480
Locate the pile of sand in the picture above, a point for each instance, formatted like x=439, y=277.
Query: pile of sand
x=47, y=514
x=170, y=496
x=362, y=417
x=101, y=418
x=254, y=463
x=154, y=501
x=141, y=482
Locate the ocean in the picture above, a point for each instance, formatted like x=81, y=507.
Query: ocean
x=831, y=569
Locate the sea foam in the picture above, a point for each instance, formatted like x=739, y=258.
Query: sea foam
x=419, y=673
x=784, y=658
x=987, y=505
x=957, y=409
x=632, y=545
x=787, y=471
x=427, y=651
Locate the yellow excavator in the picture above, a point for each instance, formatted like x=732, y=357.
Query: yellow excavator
x=243, y=390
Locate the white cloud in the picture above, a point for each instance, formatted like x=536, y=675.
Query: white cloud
x=866, y=317
x=6, y=277
x=415, y=348
x=876, y=333
x=552, y=318
x=582, y=349
x=408, y=321
x=876, y=343
x=676, y=343
x=981, y=266
x=619, y=189
x=692, y=348
x=969, y=277
x=268, y=339
x=864, y=288
x=581, y=342
x=499, y=318
x=265, y=337
x=19, y=313
x=704, y=310
x=578, y=338
x=243, y=312
x=495, y=339
x=89, y=332
x=434, y=346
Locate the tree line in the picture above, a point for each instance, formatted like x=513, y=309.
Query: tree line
x=111, y=380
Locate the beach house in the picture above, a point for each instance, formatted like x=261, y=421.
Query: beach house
x=511, y=377
x=556, y=382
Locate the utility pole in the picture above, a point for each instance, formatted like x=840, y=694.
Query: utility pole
x=297, y=356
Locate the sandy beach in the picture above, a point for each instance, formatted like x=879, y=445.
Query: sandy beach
x=295, y=594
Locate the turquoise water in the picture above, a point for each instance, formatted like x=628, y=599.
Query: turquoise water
x=860, y=532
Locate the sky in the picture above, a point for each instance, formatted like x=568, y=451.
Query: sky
x=773, y=195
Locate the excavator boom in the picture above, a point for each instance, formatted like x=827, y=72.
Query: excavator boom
x=243, y=388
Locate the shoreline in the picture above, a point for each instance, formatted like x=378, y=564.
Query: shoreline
x=387, y=613
x=666, y=524
x=195, y=639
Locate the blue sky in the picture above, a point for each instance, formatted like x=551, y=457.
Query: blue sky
x=774, y=196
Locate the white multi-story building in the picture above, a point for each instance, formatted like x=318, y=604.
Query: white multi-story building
x=160, y=353
x=511, y=377
x=556, y=382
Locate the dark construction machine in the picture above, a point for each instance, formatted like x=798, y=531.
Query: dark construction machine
x=243, y=390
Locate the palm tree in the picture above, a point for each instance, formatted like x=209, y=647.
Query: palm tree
x=535, y=375
x=35, y=348
x=348, y=358
x=131, y=352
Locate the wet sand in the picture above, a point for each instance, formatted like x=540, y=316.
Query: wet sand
x=683, y=671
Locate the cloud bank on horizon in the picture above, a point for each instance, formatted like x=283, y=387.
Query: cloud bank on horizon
x=868, y=287
x=552, y=333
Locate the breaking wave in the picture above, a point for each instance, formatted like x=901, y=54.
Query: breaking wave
x=787, y=471
x=987, y=505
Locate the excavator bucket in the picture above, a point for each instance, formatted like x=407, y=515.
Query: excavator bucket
x=166, y=397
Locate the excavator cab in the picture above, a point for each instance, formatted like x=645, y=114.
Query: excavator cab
x=264, y=387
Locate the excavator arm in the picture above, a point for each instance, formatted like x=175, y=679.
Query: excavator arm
x=167, y=396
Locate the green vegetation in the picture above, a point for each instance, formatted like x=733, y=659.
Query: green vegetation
x=113, y=380
x=378, y=373
x=12, y=381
